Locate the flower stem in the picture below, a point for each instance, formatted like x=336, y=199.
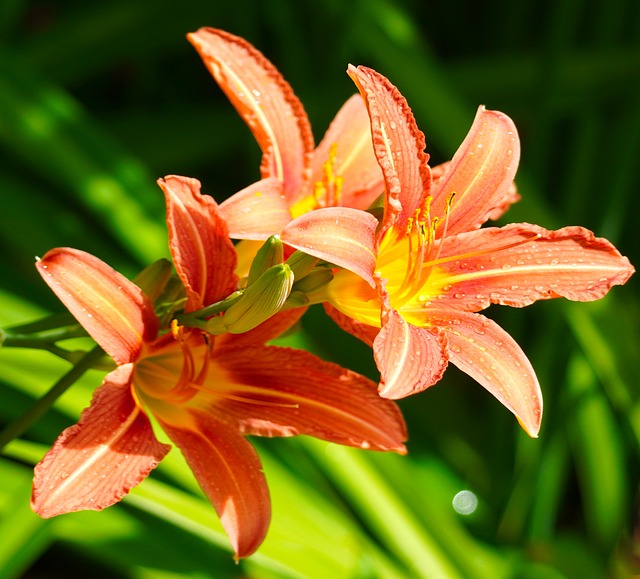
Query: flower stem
x=22, y=423
x=192, y=318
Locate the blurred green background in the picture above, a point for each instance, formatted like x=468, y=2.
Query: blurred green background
x=97, y=100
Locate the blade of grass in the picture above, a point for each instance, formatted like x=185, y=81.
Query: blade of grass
x=598, y=451
x=384, y=511
x=25, y=536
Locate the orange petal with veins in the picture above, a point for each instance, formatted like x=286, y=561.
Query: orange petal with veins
x=340, y=235
x=398, y=145
x=480, y=174
x=355, y=162
x=114, y=311
x=410, y=359
x=95, y=463
x=483, y=350
x=264, y=100
x=230, y=473
x=276, y=391
x=258, y=211
x=199, y=242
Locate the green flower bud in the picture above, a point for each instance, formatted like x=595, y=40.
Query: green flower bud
x=296, y=300
x=261, y=300
x=313, y=281
x=301, y=264
x=271, y=253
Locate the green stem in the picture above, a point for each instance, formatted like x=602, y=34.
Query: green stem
x=191, y=318
x=38, y=409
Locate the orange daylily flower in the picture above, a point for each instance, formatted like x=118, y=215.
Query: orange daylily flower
x=325, y=185
x=206, y=392
x=435, y=268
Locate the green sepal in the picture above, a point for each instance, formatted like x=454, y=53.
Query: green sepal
x=301, y=264
x=296, y=300
x=313, y=281
x=271, y=253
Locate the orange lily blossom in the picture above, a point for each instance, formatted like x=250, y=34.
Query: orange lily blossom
x=206, y=392
x=435, y=268
x=330, y=181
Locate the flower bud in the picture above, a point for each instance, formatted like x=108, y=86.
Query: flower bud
x=315, y=280
x=271, y=253
x=261, y=300
x=296, y=300
x=301, y=264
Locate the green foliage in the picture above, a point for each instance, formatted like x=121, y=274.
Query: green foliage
x=97, y=100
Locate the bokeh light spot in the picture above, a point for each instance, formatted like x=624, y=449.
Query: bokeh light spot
x=465, y=502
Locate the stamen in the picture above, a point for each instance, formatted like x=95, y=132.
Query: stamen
x=184, y=388
x=329, y=191
x=424, y=273
x=202, y=375
x=337, y=190
x=417, y=225
x=424, y=251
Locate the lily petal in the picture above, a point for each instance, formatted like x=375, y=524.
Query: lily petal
x=483, y=350
x=202, y=251
x=230, y=473
x=410, y=359
x=480, y=174
x=258, y=211
x=520, y=263
x=360, y=330
x=114, y=311
x=355, y=162
x=95, y=463
x=274, y=391
x=340, y=235
x=398, y=144
x=264, y=100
